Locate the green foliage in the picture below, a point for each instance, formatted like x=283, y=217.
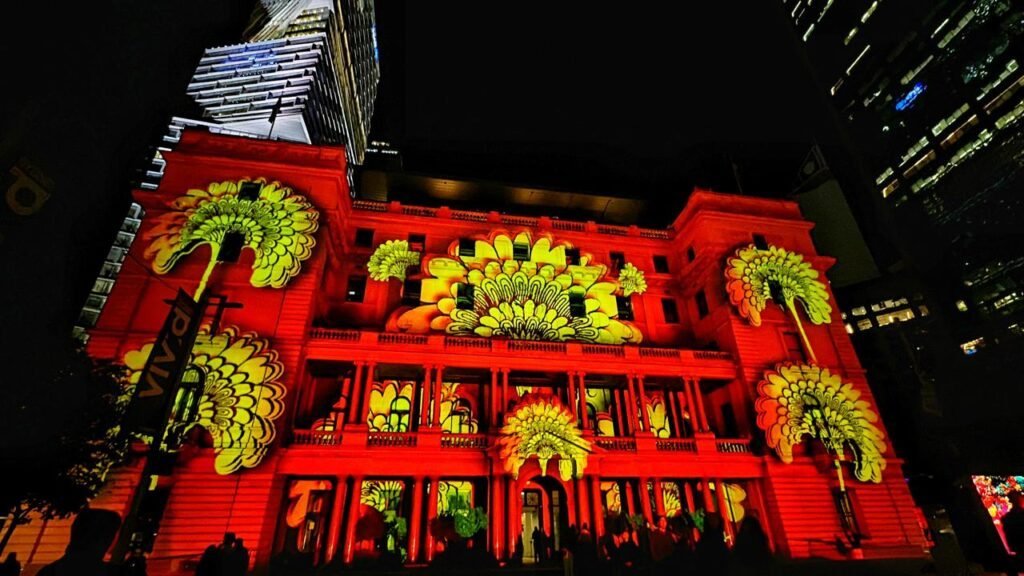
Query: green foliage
x=469, y=522
x=698, y=519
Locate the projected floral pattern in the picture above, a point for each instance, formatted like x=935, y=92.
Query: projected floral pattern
x=995, y=492
x=456, y=410
x=632, y=280
x=277, y=225
x=243, y=394
x=671, y=498
x=612, y=497
x=657, y=410
x=382, y=495
x=390, y=406
x=754, y=276
x=391, y=260
x=518, y=288
x=798, y=400
x=542, y=428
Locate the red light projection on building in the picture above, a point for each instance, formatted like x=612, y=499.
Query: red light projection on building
x=411, y=339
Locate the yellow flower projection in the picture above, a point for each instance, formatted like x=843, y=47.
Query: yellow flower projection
x=541, y=427
x=612, y=497
x=518, y=288
x=632, y=280
x=754, y=276
x=658, y=413
x=390, y=406
x=275, y=223
x=382, y=495
x=456, y=411
x=801, y=399
x=671, y=498
x=243, y=394
x=600, y=401
x=734, y=497
x=453, y=492
x=391, y=259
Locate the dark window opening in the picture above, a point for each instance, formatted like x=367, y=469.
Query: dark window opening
x=356, y=289
x=364, y=237
x=661, y=264
x=691, y=254
x=759, y=242
x=520, y=251
x=669, y=309
x=730, y=429
x=417, y=242
x=411, y=292
x=702, y=304
x=249, y=191
x=577, y=304
x=625, y=306
x=618, y=260
x=572, y=256
x=467, y=247
x=231, y=247
x=464, y=296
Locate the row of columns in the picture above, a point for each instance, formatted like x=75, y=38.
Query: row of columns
x=631, y=419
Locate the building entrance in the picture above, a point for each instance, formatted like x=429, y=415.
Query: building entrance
x=545, y=518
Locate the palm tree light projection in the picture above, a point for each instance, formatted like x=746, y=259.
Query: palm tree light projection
x=542, y=427
x=797, y=400
x=519, y=288
x=391, y=260
x=242, y=396
x=268, y=218
x=753, y=276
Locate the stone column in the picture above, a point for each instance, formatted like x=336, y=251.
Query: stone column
x=582, y=381
x=357, y=394
x=723, y=509
x=691, y=405
x=495, y=399
x=371, y=373
x=513, y=513
x=497, y=519
x=659, y=498
x=595, y=498
x=504, y=394
x=642, y=392
x=337, y=511
x=424, y=415
x=438, y=376
x=415, y=520
x=431, y=514
x=571, y=400
x=645, y=500
x=353, y=519
x=631, y=402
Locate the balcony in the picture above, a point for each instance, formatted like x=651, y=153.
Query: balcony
x=330, y=344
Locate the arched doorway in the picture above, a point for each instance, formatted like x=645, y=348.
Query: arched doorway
x=545, y=507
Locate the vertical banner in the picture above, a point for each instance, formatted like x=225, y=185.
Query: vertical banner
x=157, y=384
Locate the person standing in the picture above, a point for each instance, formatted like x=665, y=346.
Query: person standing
x=712, y=554
x=92, y=533
x=751, y=555
x=239, y=558
x=538, y=544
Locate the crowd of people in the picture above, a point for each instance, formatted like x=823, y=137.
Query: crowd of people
x=626, y=550
x=230, y=558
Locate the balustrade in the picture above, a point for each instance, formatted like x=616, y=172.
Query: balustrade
x=316, y=437
x=391, y=440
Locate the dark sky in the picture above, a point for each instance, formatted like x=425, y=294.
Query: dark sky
x=641, y=100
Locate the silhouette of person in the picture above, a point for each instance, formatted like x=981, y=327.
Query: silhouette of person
x=224, y=558
x=1013, y=529
x=11, y=566
x=92, y=532
x=538, y=544
x=209, y=563
x=239, y=558
x=751, y=555
x=712, y=554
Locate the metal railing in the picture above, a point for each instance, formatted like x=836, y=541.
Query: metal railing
x=316, y=437
x=464, y=441
x=391, y=440
x=676, y=445
x=733, y=446
x=617, y=444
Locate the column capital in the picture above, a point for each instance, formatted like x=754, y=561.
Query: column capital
x=359, y=363
x=505, y=369
x=581, y=373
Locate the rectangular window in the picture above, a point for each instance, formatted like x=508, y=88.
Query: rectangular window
x=760, y=242
x=669, y=309
x=520, y=251
x=691, y=254
x=794, y=348
x=625, y=306
x=249, y=191
x=356, y=289
x=702, y=304
x=417, y=242
x=411, y=292
x=464, y=296
x=572, y=256
x=364, y=237
x=618, y=260
x=577, y=305
x=467, y=247
x=661, y=264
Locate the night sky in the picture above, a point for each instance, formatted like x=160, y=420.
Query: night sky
x=640, y=101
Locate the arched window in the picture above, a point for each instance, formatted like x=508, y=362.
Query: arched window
x=398, y=414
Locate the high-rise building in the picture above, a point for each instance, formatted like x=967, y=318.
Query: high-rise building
x=929, y=94
x=395, y=379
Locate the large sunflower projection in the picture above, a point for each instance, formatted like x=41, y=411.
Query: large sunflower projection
x=797, y=400
x=518, y=288
x=243, y=394
x=275, y=223
x=391, y=260
x=754, y=276
x=542, y=428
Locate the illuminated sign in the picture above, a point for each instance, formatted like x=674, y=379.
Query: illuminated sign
x=910, y=97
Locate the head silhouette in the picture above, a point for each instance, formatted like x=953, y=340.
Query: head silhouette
x=229, y=539
x=92, y=532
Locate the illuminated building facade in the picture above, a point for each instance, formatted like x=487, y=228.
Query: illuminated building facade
x=392, y=362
